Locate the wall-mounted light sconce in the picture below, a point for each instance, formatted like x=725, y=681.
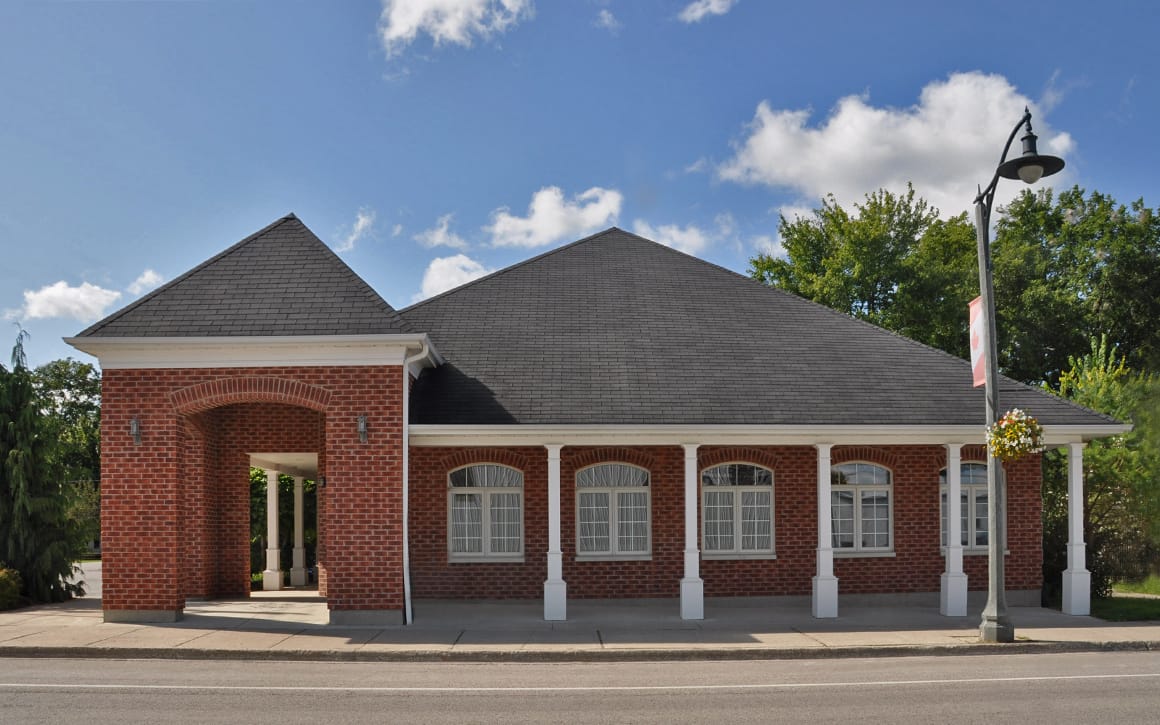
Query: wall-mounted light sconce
x=135, y=430
x=362, y=429
x=321, y=481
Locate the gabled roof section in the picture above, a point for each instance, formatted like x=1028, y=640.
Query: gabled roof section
x=282, y=280
x=619, y=330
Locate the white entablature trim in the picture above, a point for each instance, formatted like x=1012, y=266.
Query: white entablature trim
x=732, y=435
x=258, y=351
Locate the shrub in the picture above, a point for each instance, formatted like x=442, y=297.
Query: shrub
x=9, y=588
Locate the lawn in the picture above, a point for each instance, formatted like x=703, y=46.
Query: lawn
x=1126, y=609
x=1151, y=585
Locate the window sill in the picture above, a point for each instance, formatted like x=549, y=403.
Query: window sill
x=613, y=557
x=972, y=551
x=737, y=557
x=485, y=559
x=863, y=554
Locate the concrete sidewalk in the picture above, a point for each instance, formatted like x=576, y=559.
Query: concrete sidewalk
x=284, y=627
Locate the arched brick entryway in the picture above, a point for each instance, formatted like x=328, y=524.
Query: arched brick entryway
x=175, y=497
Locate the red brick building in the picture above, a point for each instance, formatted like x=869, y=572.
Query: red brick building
x=610, y=419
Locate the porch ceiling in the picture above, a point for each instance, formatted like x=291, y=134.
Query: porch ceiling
x=293, y=464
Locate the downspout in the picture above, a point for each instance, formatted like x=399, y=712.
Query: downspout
x=407, y=614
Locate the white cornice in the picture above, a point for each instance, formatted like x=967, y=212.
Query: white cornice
x=272, y=351
x=732, y=435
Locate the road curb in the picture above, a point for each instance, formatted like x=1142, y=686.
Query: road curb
x=624, y=655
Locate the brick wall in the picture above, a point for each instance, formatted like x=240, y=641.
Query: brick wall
x=175, y=508
x=915, y=566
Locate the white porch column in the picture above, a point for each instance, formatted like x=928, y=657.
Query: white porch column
x=1077, y=580
x=272, y=575
x=952, y=599
x=692, y=587
x=298, y=564
x=825, y=589
x=555, y=588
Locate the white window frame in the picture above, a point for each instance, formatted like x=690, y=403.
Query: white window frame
x=737, y=551
x=972, y=491
x=486, y=494
x=614, y=492
x=858, y=489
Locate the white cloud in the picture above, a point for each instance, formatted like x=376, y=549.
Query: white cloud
x=697, y=11
x=396, y=230
x=363, y=223
x=441, y=235
x=85, y=303
x=147, y=281
x=768, y=245
x=605, y=19
x=551, y=217
x=444, y=273
x=690, y=239
x=947, y=144
x=701, y=164
x=457, y=22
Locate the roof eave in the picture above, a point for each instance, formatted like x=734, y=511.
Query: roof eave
x=600, y=435
x=258, y=350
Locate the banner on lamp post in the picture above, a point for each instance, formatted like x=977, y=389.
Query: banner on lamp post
x=978, y=354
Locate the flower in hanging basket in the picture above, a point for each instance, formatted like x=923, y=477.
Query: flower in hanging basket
x=1014, y=436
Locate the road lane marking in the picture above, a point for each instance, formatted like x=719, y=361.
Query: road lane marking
x=579, y=688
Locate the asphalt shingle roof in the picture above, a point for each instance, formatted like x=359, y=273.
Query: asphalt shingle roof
x=617, y=329
x=282, y=280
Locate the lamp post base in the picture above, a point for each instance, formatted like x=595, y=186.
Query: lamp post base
x=996, y=630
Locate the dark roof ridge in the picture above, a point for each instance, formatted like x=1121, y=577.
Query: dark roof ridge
x=517, y=265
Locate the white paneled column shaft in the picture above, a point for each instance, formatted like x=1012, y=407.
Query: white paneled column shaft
x=825, y=584
x=272, y=575
x=952, y=600
x=1077, y=580
x=555, y=588
x=298, y=564
x=692, y=587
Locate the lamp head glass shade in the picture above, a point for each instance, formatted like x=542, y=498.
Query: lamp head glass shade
x=1031, y=166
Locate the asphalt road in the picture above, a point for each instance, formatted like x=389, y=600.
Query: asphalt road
x=1051, y=688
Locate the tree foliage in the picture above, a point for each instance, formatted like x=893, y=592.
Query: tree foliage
x=1121, y=473
x=69, y=395
x=1073, y=269
x=37, y=538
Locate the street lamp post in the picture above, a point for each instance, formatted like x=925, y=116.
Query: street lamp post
x=1030, y=167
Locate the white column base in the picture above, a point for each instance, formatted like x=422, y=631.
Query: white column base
x=555, y=600
x=298, y=568
x=1077, y=592
x=952, y=595
x=825, y=597
x=272, y=575
x=692, y=599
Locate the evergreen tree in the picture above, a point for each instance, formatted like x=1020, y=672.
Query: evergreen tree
x=36, y=536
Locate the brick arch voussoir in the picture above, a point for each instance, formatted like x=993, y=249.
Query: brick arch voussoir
x=869, y=454
x=633, y=456
x=471, y=456
x=717, y=456
x=248, y=389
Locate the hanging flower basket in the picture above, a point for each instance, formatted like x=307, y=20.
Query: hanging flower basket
x=1017, y=434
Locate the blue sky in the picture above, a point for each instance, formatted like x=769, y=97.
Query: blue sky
x=430, y=141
